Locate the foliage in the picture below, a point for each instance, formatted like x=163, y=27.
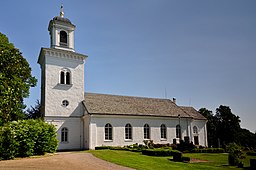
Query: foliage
x=211, y=127
x=34, y=112
x=224, y=127
x=15, y=81
x=26, y=138
x=235, y=154
x=228, y=125
x=253, y=163
x=183, y=146
x=208, y=150
x=251, y=153
x=148, y=143
x=159, y=152
x=232, y=159
x=185, y=159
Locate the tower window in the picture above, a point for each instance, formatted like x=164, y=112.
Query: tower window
x=63, y=39
x=65, y=77
x=65, y=103
x=62, y=77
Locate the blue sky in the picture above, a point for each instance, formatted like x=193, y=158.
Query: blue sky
x=201, y=52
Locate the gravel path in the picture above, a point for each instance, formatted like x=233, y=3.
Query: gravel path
x=61, y=161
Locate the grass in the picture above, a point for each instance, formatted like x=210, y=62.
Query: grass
x=142, y=162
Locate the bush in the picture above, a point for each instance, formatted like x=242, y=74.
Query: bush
x=185, y=159
x=251, y=153
x=102, y=147
x=235, y=153
x=208, y=150
x=159, y=152
x=26, y=138
x=232, y=159
x=253, y=163
x=177, y=156
x=183, y=146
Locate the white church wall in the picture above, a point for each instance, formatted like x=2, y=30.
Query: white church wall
x=55, y=93
x=75, y=131
x=202, y=131
x=98, y=122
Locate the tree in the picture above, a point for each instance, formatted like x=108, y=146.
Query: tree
x=34, y=112
x=15, y=81
x=228, y=125
x=211, y=127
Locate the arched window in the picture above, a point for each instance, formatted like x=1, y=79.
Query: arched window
x=178, y=131
x=62, y=77
x=65, y=76
x=108, y=132
x=195, y=130
x=63, y=38
x=146, y=131
x=128, y=131
x=64, y=134
x=163, y=131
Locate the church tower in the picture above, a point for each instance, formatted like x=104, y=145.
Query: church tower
x=62, y=83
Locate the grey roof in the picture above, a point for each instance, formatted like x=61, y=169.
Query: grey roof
x=106, y=104
x=193, y=112
x=62, y=19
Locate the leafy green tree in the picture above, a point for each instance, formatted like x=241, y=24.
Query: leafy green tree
x=211, y=127
x=15, y=81
x=228, y=125
x=34, y=112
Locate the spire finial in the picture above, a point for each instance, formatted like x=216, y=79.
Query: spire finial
x=61, y=11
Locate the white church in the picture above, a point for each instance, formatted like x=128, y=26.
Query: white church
x=86, y=120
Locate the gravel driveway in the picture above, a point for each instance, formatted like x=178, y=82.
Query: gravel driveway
x=61, y=161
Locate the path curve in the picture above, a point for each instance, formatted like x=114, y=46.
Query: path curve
x=61, y=161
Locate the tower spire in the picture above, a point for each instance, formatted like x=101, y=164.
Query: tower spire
x=61, y=11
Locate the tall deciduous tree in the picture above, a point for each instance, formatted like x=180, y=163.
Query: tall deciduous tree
x=15, y=81
x=228, y=125
x=211, y=127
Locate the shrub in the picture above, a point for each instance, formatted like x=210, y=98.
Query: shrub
x=101, y=147
x=208, y=150
x=253, y=163
x=159, y=152
x=235, y=153
x=177, y=156
x=185, y=159
x=251, y=153
x=27, y=137
x=232, y=159
x=183, y=146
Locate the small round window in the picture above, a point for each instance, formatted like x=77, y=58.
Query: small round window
x=65, y=103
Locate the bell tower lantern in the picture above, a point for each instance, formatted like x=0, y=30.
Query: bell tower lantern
x=62, y=32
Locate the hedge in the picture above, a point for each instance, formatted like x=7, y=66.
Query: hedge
x=159, y=152
x=251, y=153
x=26, y=138
x=208, y=150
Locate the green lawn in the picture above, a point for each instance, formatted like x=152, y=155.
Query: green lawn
x=142, y=162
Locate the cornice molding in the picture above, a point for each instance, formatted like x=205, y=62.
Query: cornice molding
x=53, y=52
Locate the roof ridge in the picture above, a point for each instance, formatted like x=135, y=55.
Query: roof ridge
x=117, y=95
